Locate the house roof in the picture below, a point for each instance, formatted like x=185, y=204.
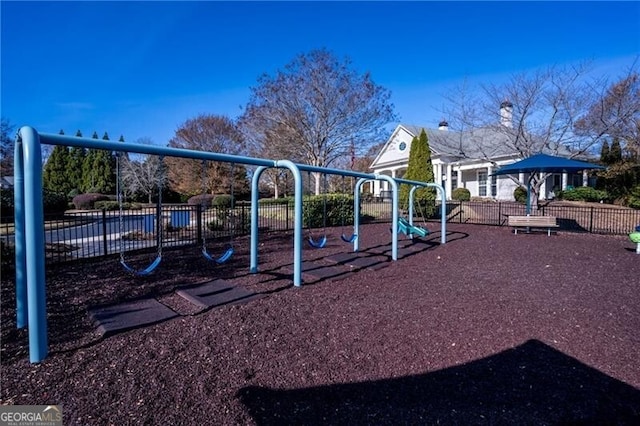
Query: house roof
x=480, y=143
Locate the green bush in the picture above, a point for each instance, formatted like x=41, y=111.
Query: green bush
x=634, y=197
x=228, y=219
x=461, y=194
x=584, y=193
x=222, y=201
x=339, y=210
x=87, y=201
x=216, y=224
x=6, y=203
x=277, y=201
x=205, y=200
x=53, y=202
x=73, y=193
x=109, y=205
x=520, y=194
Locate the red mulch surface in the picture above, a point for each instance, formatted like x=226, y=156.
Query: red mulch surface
x=491, y=328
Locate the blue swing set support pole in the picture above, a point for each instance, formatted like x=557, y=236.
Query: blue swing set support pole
x=394, y=211
x=29, y=216
x=443, y=207
x=30, y=254
x=297, y=219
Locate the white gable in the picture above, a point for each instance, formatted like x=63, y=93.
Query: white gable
x=396, y=150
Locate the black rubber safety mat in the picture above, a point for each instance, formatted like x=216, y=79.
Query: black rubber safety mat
x=216, y=293
x=316, y=271
x=386, y=250
x=359, y=261
x=126, y=316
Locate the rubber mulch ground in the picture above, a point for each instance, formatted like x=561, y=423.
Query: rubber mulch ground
x=491, y=328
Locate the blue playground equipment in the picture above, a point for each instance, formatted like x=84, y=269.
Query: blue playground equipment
x=228, y=254
x=407, y=227
x=635, y=238
x=322, y=240
x=29, y=218
x=343, y=213
x=410, y=230
x=120, y=193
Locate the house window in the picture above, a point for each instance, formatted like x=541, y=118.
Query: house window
x=576, y=180
x=494, y=186
x=454, y=181
x=482, y=183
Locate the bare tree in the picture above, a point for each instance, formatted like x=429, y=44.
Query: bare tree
x=212, y=133
x=539, y=113
x=7, y=138
x=616, y=114
x=146, y=174
x=314, y=109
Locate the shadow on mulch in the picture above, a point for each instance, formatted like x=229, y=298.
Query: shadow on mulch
x=529, y=384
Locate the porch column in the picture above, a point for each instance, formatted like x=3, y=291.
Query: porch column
x=543, y=188
x=521, y=179
x=376, y=188
x=489, y=181
x=448, y=189
x=565, y=181
x=585, y=178
x=459, y=177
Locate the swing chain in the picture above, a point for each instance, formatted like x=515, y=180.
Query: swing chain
x=120, y=202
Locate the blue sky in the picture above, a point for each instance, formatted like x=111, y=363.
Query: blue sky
x=141, y=69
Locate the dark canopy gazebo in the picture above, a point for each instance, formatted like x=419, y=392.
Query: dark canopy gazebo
x=543, y=163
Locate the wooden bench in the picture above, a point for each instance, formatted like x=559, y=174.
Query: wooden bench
x=532, y=222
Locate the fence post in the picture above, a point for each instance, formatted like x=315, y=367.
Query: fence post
x=499, y=213
x=105, y=246
x=460, y=215
x=591, y=221
x=198, y=223
x=243, y=218
x=286, y=215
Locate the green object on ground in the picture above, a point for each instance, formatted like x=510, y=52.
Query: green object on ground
x=635, y=237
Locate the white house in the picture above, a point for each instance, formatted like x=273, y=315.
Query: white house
x=466, y=159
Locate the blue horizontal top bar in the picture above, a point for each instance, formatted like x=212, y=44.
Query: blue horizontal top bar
x=330, y=171
x=417, y=182
x=52, y=139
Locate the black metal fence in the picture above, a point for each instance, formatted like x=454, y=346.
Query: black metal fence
x=85, y=234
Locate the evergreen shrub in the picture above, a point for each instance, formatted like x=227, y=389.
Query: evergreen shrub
x=53, y=202
x=205, y=200
x=87, y=201
x=339, y=210
x=584, y=193
x=109, y=205
x=634, y=197
x=520, y=194
x=461, y=194
x=222, y=201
